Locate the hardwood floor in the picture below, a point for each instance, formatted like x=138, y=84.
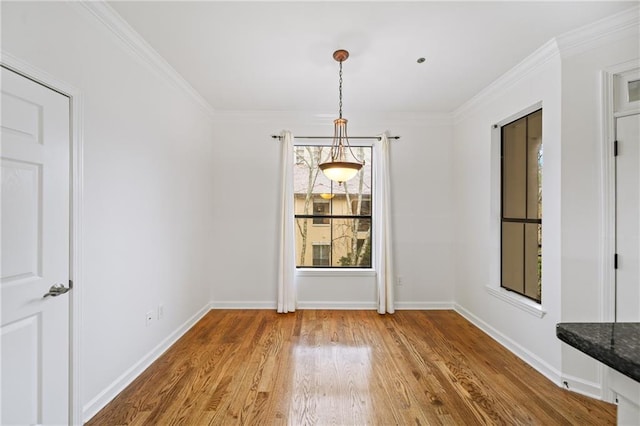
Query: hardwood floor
x=257, y=367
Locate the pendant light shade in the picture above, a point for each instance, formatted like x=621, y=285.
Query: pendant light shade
x=339, y=168
x=340, y=171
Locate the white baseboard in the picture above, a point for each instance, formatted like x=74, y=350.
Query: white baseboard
x=319, y=304
x=243, y=305
x=103, y=398
x=581, y=386
x=533, y=360
x=369, y=306
x=423, y=306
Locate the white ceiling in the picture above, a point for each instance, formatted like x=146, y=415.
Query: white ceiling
x=277, y=56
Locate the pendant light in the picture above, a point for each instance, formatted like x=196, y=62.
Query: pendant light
x=339, y=169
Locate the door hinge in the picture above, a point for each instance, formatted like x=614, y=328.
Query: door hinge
x=70, y=283
x=615, y=261
x=615, y=148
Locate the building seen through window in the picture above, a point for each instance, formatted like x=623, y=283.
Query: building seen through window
x=332, y=221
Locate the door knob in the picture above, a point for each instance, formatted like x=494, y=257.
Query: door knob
x=56, y=290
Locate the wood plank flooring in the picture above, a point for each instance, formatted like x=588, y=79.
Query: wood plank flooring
x=257, y=367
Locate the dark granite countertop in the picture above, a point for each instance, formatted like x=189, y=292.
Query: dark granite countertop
x=614, y=344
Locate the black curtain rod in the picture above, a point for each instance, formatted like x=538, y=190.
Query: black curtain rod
x=331, y=137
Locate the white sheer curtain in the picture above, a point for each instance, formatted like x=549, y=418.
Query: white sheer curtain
x=382, y=238
x=287, y=249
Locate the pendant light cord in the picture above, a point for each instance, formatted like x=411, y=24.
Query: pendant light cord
x=340, y=91
x=336, y=155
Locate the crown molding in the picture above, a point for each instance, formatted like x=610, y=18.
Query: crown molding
x=614, y=27
x=526, y=67
x=139, y=47
x=314, y=118
x=621, y=25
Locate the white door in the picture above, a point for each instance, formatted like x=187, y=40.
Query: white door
x=34, y=248
x=628, y=218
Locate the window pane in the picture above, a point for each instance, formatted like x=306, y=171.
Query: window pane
x=533, y=260
x=513, y=256
x=522, y=162
x=634, y=90
x=352, y=242
x=307, y=236
x=361, y=184
x=309, y=182
x=346, y=243
x=534, y=166
x=514, y=162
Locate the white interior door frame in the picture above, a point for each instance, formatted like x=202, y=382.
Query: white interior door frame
x=608, y=201
x=76, y=132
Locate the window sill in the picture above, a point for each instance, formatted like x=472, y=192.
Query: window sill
x=518, y=301
x=316, y=272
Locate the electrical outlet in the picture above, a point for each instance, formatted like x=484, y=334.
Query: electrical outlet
x=399, y=280
x=160, y=311
x=149, y=318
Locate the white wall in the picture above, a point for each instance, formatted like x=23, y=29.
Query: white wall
x=477, y=254
x=147, y=189
x=565, y=77
x=180, y=209
x=246, y=255
x=582, y=184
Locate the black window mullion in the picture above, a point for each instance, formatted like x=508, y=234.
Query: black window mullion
x=331, y=228
x=526, y=204
x=337, y=216
x=516, y=220
x=501, y=205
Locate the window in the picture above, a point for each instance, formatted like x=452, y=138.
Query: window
x=362, y=207
x=633, y=91
x=521, y=206
x=321, y=254
x=333, y=221
x=321, y=208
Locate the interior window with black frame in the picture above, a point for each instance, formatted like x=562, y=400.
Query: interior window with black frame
x=332, y=221
x=521, y=206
